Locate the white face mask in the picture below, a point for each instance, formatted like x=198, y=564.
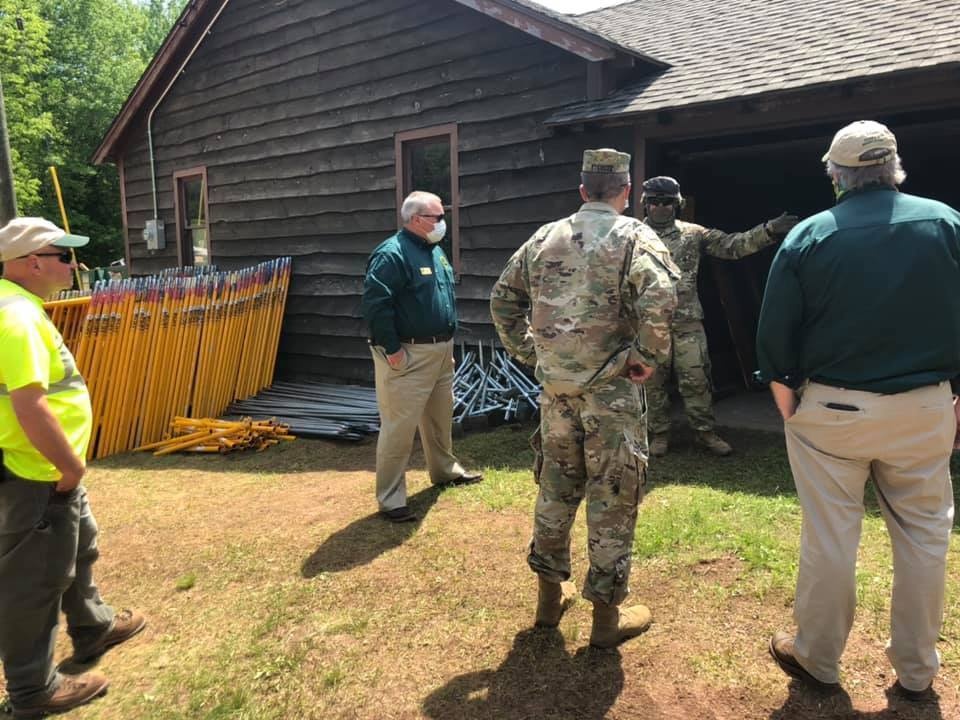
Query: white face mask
x=436, y=235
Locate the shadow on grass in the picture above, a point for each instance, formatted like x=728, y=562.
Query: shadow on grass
x=758, y=466
x=538, y=679
x=364, y=540
x=804, y=703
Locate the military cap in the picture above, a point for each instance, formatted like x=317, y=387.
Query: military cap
x=862, y=143
x=661, y=185
x=605, y=160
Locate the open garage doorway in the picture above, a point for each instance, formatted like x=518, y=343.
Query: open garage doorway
x=735, y=182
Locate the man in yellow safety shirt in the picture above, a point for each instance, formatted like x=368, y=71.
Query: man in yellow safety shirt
x=48, y=536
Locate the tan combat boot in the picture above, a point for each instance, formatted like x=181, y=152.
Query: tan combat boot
x=714, y=443
x=659, y=444
x=612, y=626
x=553, y=600
x=72, y=692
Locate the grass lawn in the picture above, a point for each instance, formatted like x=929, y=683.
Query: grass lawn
x=273, y=591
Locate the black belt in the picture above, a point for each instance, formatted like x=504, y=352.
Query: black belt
x=427, y=340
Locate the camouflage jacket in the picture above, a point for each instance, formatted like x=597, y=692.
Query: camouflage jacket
x=586, y=296
x=687, y=242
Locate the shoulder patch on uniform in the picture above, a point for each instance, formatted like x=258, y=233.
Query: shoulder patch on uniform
x=649, y=241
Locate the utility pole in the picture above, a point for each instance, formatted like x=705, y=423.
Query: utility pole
x=8, y=194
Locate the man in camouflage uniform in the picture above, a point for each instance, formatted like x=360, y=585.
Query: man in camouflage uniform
x=687, y=242
x=587, y=300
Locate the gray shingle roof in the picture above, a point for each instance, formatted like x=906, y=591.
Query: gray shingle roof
x=723, y=49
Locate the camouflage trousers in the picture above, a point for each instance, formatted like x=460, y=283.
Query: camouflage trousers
x=690, y=363
x=593, y=447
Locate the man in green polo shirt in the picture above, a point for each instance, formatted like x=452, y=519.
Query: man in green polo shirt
x=410, y=307
x=48, y=536
x=859, y=339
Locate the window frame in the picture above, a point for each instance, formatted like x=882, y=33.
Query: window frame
x=403, y=141
x=179, y=176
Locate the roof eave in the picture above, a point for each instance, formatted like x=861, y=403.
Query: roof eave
x=179, y=35
x=562, y=31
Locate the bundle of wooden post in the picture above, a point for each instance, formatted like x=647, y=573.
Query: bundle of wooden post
x=154, y=348
x=206, y=435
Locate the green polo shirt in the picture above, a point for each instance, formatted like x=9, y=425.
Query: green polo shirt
x=32, y=352
x=865, y=296
x=408, y=292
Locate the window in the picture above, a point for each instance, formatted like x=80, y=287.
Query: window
x=190, y=204
x=427, y=160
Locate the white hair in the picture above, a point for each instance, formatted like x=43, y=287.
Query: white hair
x=416, y=202
x=850, y=178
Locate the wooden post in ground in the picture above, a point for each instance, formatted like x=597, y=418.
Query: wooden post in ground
x=8, y=194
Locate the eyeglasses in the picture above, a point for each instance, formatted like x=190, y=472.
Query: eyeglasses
x=437, y=218
x=64, y=256
x=660, y=200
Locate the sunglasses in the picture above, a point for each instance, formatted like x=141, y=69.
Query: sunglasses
x=64, y=256
x=660, y=200
x=437, y=218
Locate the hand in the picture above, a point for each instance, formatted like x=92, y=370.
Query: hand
x=396, y=360
x=782, y=224
x=71, y=479
x=639, y=373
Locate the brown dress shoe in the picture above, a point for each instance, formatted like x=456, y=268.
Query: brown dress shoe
x=401, y=514
x=72, y=692
x=126, y=624
x=781, y=650
x=468, y=478
x=913, y=695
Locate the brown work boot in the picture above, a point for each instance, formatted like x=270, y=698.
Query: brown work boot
x=612, y=626
x=126, y=624
x=781, y=650
x=70, y=693
x=659, y=445
x=714, y=443
x=553, y=600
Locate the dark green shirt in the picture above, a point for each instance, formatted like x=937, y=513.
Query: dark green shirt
x=408, y=292
x=865, y=296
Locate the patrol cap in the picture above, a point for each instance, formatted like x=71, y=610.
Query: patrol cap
x=605, y=160
x=862, y=143
x=23, y=236
x=661, y=185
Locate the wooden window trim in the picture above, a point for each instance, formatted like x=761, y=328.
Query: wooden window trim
x=178, y=175
x=402, y=169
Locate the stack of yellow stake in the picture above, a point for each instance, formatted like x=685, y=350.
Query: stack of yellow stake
x=219, y=436
x=154, y=348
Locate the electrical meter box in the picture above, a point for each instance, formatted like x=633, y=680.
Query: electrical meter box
x=154, y=236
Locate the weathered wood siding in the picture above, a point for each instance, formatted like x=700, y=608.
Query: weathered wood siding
x=292, y=108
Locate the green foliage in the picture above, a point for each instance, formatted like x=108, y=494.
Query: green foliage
x=65, y=76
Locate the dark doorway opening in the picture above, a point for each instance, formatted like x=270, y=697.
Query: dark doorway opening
x=736, y=182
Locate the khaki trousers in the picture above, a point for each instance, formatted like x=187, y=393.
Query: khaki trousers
x=418, y=394
x=904, y=442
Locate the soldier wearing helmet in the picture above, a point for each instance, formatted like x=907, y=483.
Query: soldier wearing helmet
x=687, y=243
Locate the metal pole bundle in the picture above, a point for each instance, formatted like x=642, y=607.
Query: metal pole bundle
x=489, y=387
x=178, y=344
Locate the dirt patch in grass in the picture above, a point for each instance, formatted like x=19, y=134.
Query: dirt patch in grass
x=274, y=591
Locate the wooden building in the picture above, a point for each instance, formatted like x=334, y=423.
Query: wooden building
x=295, y=128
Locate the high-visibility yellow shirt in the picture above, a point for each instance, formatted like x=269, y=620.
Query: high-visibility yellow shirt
x=32, y=352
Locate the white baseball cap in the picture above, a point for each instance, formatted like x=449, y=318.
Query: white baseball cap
x=862, y=143
x=23, y=236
